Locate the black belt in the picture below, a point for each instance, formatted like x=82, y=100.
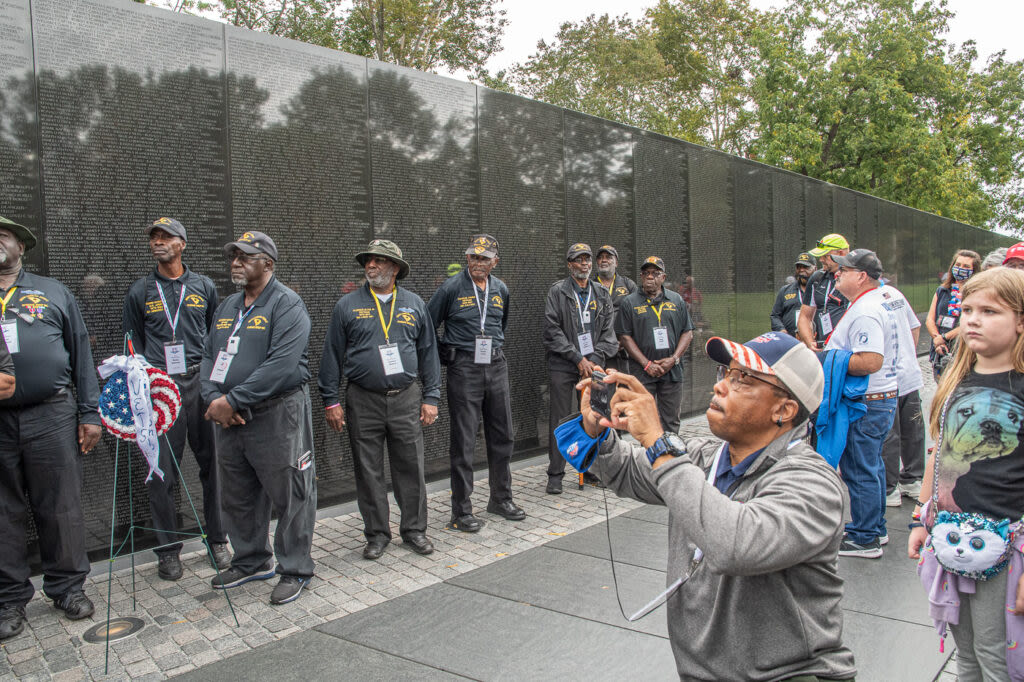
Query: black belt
x=496, y=353
x=385, y=391
x=189, y=371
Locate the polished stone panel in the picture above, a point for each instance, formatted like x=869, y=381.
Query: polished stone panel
x=633, y=542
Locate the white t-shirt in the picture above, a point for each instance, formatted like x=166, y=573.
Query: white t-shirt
x=878, y=322
x=909, y=379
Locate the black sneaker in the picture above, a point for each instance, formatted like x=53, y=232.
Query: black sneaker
x=869, y=550
x=288, y=589
x=12, y=620
x=75, y=605
x=554, y=486
x=169, y=566
x=221, y=555
x=233, y=577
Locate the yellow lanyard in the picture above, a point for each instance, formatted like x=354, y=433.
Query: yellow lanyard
x=657, y=311
x=610, y=288
x=7, y=299
x=380, y=313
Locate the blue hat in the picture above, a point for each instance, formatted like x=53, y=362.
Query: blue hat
x=779, y=355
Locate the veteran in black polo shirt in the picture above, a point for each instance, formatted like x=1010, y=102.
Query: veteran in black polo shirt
x=821, y=304
x=473, y=306
x=579, y=334
x=381, y=338
x=254, y=373
x=618, y=287
x=655, y=329
x=42, y=431
x=168, y=313
x=788, y=300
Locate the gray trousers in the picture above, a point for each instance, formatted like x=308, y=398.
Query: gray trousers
x=373, y=420
x=259, y=470
x=475, y=390
x=198, y=431
x=981, y=635
x=905, y=443
x=562, y=401
x=39, y=455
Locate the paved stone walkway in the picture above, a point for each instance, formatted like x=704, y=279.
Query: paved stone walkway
x=189, y=625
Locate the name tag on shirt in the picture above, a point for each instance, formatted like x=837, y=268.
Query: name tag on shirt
x=483, y=350
x=233, y=345
x=174, y=356
x=391, y=359
x=586, y=343
x=10, y=328
x=826, y=323
x=945, y=321
x=220, y=367
x=661, y=338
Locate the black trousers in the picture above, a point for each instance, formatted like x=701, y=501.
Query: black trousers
x=905, y=443
x=39, y=453
x=475, y=390
x=373, y=420
x=259, y=468
x=199, y=433
x=668, y=396
x=562, y=401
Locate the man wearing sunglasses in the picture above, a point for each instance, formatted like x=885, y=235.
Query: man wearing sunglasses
x=821, y=303
x=756, y=516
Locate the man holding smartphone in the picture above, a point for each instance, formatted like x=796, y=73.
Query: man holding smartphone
x=254, y=373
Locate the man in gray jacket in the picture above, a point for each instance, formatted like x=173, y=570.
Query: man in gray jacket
x=756, y=516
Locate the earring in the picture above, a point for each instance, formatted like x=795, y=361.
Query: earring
x=778, y=422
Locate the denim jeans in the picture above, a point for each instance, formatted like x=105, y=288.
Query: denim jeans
x=863, y=470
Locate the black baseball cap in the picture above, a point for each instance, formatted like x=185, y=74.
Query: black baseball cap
x=168, y=225
x=655, y=261
x=608, y=249
x=252, y=243
x=864, y=260
x=578, y=249
x=482, y=245
x=805, y=259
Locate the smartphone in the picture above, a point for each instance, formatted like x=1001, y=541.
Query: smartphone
x=601, y=394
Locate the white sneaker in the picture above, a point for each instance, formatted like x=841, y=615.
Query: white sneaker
x=895, y=498
x=883, y=539
x=911, y=489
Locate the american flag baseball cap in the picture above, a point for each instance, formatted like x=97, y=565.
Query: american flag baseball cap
x=779, y=355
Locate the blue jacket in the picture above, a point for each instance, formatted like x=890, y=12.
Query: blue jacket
x=841, y=405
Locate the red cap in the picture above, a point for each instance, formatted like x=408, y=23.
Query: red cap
x=1015, y=251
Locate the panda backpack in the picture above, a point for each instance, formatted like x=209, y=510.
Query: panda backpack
x=966, y=543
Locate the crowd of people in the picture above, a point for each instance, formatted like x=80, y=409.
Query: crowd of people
x=815, y=421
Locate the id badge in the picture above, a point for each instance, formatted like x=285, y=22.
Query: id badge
x=946, y=321
x=10, y=328
x=305, y=461
x=586, y=343
x=233, y=345
x=220, y=367
x=586, y=317
x=174, y=356
x=391, y=359
x=661, y=338
x=826, y=323
x=483, y=350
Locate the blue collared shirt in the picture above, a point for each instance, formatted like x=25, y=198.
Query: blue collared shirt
x=727, y=475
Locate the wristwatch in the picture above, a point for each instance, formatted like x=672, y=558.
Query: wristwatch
x=668, y=444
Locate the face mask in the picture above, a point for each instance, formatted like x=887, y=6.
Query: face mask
x=960, y=274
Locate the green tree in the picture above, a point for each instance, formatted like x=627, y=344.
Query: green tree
x=867, y=94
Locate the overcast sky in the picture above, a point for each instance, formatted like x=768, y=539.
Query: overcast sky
x=993, y=24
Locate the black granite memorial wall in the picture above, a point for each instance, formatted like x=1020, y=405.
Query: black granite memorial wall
x=114, y=113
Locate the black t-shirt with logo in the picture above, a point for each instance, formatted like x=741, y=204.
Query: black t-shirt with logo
x=821, y=293
x=981, y=465
x=639, y=316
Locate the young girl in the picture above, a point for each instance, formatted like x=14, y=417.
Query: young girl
x=969, y=520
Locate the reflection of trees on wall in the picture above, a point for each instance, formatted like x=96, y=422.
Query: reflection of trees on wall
x=19, y=199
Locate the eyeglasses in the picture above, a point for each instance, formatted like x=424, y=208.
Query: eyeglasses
x=244, y=257
x=741, y=379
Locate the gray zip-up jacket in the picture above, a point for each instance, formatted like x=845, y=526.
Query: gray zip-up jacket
x=562, y=327
x=764, y=603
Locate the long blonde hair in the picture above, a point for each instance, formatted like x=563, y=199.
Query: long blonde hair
x=1008, y=286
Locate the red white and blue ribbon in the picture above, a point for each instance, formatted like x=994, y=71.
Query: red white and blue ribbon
x=138, y=402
